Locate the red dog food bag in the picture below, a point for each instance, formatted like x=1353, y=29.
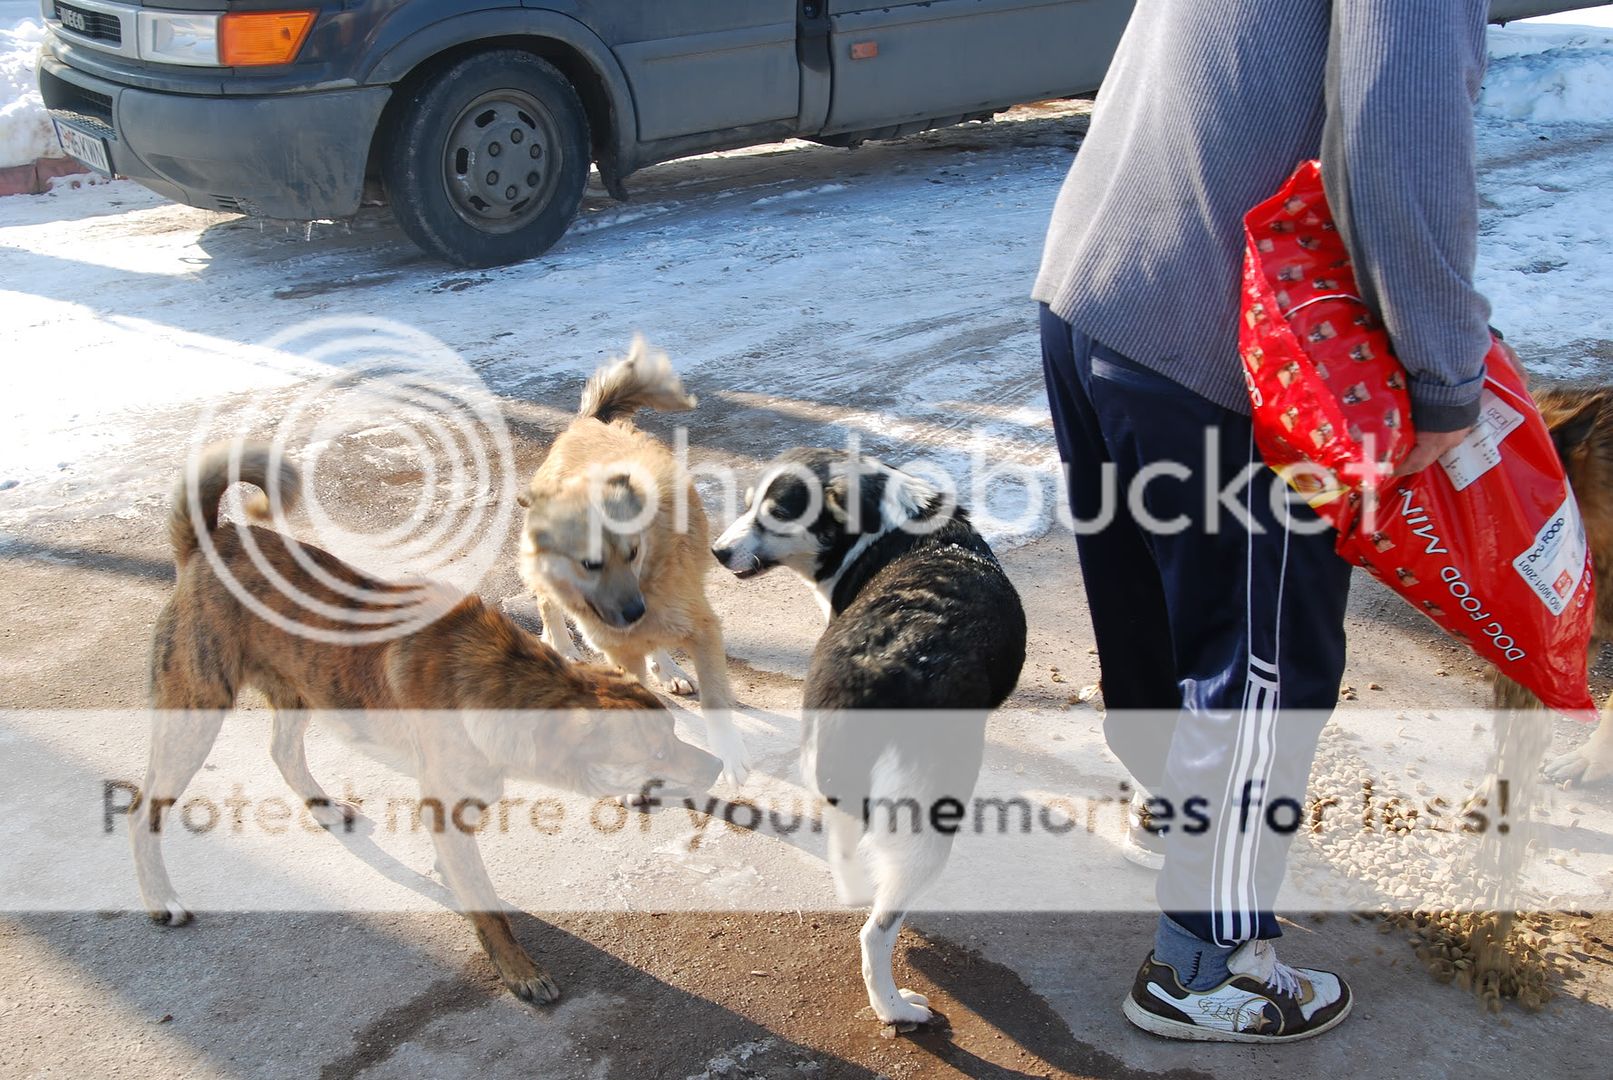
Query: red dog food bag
x=1488, y=541
x=1330, y=399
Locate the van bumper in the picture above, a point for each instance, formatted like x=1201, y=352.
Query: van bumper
x=298, y=155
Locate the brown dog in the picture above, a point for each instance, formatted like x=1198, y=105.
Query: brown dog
x=439, y=703
x=1581, y=423
x=616, y=539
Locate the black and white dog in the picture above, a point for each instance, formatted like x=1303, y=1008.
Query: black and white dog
x=921, y=617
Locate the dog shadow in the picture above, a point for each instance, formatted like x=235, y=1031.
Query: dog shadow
x=997, y=996
x=358, y=839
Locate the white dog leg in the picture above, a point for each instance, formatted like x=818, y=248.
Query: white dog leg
x=286, y=748
x=891, y=1004
x=851, y=879
x=717, y=697
x=556, y=634
x=901, y=866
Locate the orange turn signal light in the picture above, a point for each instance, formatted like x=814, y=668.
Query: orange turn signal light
x=256, y=38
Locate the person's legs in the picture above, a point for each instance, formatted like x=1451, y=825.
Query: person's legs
x=1122, y=584
x=1256, y=597
x=1254, y=600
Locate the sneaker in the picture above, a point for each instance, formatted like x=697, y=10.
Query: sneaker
x=1264, y=1001
x=1141, y=844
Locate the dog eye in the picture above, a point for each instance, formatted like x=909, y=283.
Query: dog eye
x=593, y=565
x=633, y=554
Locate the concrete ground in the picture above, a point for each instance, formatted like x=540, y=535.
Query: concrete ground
x=399, y=987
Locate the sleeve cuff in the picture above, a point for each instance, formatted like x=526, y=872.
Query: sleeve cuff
x=1445, y=407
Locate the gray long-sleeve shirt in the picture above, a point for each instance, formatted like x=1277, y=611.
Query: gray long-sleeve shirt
x=1208, y=107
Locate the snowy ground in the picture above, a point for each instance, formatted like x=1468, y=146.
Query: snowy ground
x=25, y=131
x=1546, y=179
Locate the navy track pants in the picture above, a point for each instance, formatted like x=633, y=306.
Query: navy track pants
x=1220, y=635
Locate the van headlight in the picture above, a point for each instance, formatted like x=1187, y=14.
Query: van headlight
x=236, y=39
x=179, y=37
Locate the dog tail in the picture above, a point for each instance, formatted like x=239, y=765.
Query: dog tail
x=206, y=477
x=645, y=380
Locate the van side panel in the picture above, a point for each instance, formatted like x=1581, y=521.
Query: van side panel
x=721, y=79
x=954, y=57
x=704, y=65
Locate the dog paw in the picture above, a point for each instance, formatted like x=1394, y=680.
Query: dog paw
x=171, y=913
x=736, y=762
x=537, y=987
x=673, y=679
x=1578, y=767
x=334, y=814
x=735, y=772
x=909, y=1008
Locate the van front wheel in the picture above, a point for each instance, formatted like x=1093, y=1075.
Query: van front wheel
x=489, y=159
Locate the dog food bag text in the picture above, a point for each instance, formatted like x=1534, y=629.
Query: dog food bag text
x=1488, y=542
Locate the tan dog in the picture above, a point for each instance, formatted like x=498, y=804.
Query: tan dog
x=616, y=538
x=1581, y=424
x=443, y=701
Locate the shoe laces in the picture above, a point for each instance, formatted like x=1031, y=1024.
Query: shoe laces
x=1281, y=978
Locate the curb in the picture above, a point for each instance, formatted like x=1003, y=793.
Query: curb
x=35, y=178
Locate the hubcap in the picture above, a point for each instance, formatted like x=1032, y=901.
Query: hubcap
x=501, y=161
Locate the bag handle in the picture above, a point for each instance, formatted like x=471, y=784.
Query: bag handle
x=1325, y=296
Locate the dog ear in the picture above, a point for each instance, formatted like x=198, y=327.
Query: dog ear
x=531, y=497
x=623, y=486
x=1570, y=433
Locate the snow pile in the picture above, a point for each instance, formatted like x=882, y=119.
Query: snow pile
x=1549, y=75
x=25, y=131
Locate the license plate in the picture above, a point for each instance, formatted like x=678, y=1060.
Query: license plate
x=90, y=149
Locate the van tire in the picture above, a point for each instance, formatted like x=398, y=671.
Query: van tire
x=489, y=158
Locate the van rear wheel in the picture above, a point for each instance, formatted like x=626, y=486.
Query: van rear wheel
x=489, y=159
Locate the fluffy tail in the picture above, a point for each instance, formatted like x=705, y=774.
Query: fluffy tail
x=645, y=380
x=208, y=475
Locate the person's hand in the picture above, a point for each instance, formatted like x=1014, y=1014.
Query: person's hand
x=1428, y=448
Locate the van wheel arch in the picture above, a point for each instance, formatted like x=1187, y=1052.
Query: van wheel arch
x=604, y=120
